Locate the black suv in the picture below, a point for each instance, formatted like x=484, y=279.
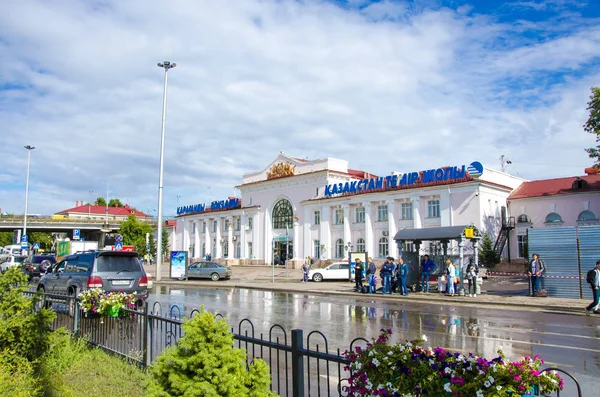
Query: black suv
x=109, y=270
x=36, y=265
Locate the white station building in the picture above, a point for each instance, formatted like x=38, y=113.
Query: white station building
x=295, y=208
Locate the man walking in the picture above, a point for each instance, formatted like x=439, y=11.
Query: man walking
x=371, y=276
x=536, y=268
x=386, y=274
x=427, y=267
x=305, y=269
x=595, y=286
x=358, y=274
x=402, y=272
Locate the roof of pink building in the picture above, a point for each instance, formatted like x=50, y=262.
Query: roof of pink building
x=99, y=209
x=552, y=187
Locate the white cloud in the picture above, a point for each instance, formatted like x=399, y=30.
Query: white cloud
x=418, y=88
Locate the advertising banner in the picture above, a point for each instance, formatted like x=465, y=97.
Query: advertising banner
x=63, y=248
x=178, y=267
x=363, y=258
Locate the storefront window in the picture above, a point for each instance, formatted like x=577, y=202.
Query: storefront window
x=283, y=215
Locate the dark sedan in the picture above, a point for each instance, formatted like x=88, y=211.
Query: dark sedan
x=211, y=270
x=36, y=265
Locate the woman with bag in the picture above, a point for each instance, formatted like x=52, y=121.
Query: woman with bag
x=472, y=272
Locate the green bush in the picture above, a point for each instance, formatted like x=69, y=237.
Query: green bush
x=206, y=363
x=17, y=377
x=23, y=330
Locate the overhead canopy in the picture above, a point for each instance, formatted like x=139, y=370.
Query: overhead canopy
x=431, y=233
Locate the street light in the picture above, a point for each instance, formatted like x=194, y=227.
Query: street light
x=29, y=149
x=165, y=65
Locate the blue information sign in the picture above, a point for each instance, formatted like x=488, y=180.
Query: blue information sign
x=36, y=246
x=76, y=234
x=119, y=246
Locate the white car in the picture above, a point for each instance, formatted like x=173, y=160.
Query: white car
x=15, y=260
x=335, y=271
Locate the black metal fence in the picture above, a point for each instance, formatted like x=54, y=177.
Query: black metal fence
x=299, y=366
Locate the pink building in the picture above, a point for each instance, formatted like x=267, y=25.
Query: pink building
x=572, y=201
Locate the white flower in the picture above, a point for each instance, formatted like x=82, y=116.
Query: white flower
x=390, y=353
x=479, y=393
x=424, y=337
x=389, y=385
x=431, y=361
x=481, y=372
x=487, y=384
x=491, y=379
x=447, y=370
x=448, y=387
x=498, y=387
x=376, y=362
x=368, y=385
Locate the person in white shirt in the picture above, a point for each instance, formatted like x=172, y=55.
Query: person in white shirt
x=450, y=277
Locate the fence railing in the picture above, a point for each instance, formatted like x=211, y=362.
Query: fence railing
x=299, y=366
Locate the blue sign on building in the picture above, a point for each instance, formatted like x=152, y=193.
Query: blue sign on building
x=230, y=203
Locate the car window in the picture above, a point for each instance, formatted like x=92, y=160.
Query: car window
x=60, y=267
x=194, y=265
x=213, y=265
x=71, y=265
x=111, y=263
x=345, y=266
x=334, y=267
x=84, y=264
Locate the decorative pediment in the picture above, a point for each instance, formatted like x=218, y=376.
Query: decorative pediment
x=281, y=170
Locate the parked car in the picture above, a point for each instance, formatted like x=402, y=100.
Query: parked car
x=212, y=270
x=12, y=260
x=335, y=271
x=109, y=270
x=36, y=265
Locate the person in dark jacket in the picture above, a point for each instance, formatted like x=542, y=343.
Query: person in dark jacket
x=471, y=274
x=427, y=267
x=536, y=268
x=402, y=272
x=386, y=274
x=358, y=274
x=371, y=270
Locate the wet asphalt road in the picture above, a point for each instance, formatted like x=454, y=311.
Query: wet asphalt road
x=569, y=341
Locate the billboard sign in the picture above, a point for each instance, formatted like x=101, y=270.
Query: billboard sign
x=62, y=249
x=178, y=267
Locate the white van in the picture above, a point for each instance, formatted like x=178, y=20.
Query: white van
x=12, y=249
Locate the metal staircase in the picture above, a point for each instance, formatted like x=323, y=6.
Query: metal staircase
x=507, y=226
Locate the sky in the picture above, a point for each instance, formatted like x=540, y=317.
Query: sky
x=387, y=85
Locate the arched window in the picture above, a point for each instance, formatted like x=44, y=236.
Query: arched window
x=383, y=247
x=360, y=245
x=225, y=250
x=586, y=216
x=553, y=217
x=283, y=215
x=339, y=248
x=523, y=219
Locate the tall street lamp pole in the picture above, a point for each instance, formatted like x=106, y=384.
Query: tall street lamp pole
x=165, y=65
x=29, y=149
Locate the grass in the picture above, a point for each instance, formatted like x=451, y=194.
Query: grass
x=72, y=368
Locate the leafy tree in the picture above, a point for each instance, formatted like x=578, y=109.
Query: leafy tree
x=165, y=242
x=24, y=332
x=592, y=125
x=206, y=363
x=44, y=239
x=134, y=233
x=6, y=238
x=487, y=255
x=115, y=202
x=101, y=201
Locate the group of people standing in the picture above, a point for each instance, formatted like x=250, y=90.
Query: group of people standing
x=389, y=271
x=450, y=278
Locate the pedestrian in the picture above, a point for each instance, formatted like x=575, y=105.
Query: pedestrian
x=427, y=267
x=305, y=269
x=402, y=272
x=450, y=277
x=386, y=274
x=371, y=270
x=472, y=271
x=536, y=268
x=358, y=273
x=595, y=286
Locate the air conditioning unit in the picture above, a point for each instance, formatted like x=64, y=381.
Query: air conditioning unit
x=386, y=233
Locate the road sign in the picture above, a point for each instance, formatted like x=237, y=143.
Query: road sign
x=36, y=246
x=128, y=248
x=23, y=245
x=76, y=234
x=118, y=246
x=119, y=239
x=24, y=239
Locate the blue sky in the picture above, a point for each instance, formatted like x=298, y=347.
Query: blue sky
x=421, y=84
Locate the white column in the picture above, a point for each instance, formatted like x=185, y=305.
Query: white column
x=207, y=239
x=185, y=243
x=325, y=232
x=392, y=247
x=243, y=251
x=218, y=245
x=445, y=209
x=268, y=238
x=296, y=247
x=197, y=247
x=369, y=231
x=255, y=236
x=230, y=251
x=417, y=220
x=307, y=239
x=347, y=231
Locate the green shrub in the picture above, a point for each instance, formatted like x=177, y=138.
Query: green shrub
x=23, y=330
x=206, y=363
x=17, y=377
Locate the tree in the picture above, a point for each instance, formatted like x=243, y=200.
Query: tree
x=6, y=238
x=487, y=256
x=115, y=202
x=592, y=125
x=44, y=239
x=134, y=233
x=165, y=242
x=101, y=202
x=205, y=362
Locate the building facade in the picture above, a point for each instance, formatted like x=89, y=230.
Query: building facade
x=559, y=202
x=295, y=208
x=100, y=212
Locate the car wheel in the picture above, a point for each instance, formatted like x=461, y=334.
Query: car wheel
x=317, y=277
x=72, y=303
x=215, y=277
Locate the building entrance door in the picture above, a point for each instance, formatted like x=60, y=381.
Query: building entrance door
x=282, y=251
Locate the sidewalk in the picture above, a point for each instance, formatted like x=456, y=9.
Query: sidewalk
x=280, y=279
